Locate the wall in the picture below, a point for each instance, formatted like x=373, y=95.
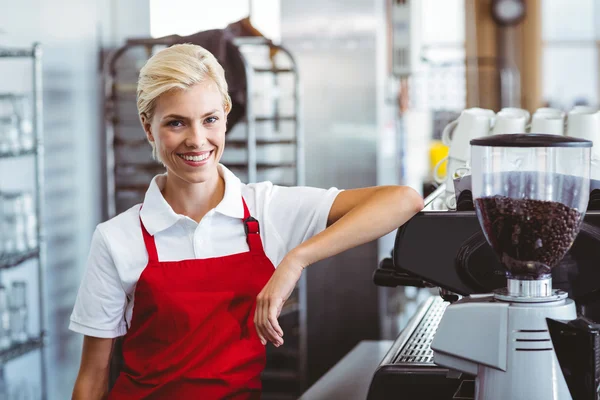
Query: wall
x=71, y=32
x=513, y=50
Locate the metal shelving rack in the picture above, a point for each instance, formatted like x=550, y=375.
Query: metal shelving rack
x=8, y=261
x=127, y=180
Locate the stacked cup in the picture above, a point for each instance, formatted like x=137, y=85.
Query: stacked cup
x=548, y=120
x=584, y=122
x=511, y=120
x=581, y=122
x=472, y=123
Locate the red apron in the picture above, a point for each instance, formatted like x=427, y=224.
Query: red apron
x=192, y=333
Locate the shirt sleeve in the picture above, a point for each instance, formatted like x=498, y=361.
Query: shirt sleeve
x=100, y=304
x=299, y=213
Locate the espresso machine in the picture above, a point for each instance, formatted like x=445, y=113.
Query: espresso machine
x=517, y=270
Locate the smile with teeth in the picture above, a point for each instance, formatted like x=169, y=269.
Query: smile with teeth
x=195, y=158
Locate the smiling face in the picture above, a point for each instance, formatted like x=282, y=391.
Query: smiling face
x=188, y=129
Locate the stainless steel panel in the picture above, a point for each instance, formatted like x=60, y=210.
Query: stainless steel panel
x=334, y=43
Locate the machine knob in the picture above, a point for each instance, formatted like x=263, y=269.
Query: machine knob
x=388, y=275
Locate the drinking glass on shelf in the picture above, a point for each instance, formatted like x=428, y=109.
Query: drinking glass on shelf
x=9, y=223
x=2, y=226
x=9, y=135
x=9, y=125
x=29, y=221
x=23, y=112
x=5, y=335
x=18, y=312
x=18, y=294
x=13, y=222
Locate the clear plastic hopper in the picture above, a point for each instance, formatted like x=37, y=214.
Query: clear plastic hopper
x=531, y=193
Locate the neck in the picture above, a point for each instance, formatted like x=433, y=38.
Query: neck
x=193, y=200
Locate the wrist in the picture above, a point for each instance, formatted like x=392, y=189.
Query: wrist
x=297, y=256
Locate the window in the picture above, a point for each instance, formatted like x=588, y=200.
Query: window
x=439, y=83
x=570, y=52
x=185, y=17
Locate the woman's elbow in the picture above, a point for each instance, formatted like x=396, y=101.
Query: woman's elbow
x=412, y=199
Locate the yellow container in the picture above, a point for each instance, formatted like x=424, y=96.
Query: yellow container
x=437, y=152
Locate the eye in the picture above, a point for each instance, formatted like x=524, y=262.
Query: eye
x=175, y=123
x=211, y=120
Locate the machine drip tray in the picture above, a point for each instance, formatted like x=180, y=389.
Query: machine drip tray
x=417, y=349
x=408, y=370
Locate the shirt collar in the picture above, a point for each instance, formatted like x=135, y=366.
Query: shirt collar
x=157, y=215
x=231, y=205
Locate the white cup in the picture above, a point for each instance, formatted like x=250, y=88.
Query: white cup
x=454, y=165
x=549, y=110
x=460, y=171
x=511, y=121
x=586, y=125
x=517, y=111
x=549, y=123
x=472, y=123
x=584, y=109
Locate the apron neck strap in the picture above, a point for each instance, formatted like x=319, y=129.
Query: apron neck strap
x=252, y=229
x=149, y=242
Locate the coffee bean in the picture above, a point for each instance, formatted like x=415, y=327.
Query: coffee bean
x=529, y=236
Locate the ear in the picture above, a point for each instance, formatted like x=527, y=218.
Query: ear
x=147, y=127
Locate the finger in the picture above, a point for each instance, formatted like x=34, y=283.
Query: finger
x=270, y=331
x=257, y=325
x=262, y=321
x=261, y=337
x=274, y=322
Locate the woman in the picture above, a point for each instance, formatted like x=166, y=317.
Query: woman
x=185, y=276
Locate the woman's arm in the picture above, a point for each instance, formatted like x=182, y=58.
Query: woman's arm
x=92, y=380
x=356, y=217
x=359, y=216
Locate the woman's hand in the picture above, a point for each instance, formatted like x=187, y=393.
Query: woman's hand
x=271, y=299
x=356, y=217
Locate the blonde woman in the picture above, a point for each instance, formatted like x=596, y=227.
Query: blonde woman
x=189, y=277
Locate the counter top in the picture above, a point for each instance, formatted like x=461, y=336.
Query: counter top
x=350, y=378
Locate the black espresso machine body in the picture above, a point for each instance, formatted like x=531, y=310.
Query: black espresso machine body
x=447, y=249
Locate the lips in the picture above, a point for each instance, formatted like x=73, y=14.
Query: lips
x=197, y=158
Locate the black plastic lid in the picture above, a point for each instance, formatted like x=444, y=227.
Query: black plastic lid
x=530, y=140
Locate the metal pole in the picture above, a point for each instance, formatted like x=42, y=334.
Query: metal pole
x=250, y=122
x=39, y=168
x=298, y=125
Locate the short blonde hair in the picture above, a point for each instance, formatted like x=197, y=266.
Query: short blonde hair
x=177, y=67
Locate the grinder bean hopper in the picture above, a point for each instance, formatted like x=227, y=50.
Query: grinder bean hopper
x=531, y=192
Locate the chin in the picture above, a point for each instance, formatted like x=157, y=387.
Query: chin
x=192, y=177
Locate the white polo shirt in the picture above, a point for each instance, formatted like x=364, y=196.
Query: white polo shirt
x=287, y=215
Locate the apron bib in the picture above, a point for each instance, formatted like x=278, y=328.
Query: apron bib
x=192, y=333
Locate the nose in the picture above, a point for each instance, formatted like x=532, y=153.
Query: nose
x=196, y=136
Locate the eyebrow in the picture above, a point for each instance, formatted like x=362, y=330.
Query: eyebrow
x=177, y=116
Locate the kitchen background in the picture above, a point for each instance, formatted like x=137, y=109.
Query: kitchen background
x=379, y=79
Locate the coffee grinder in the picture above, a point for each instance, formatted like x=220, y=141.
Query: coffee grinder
x=530, y=192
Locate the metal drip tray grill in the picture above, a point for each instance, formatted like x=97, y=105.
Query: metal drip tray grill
x=417, y=349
